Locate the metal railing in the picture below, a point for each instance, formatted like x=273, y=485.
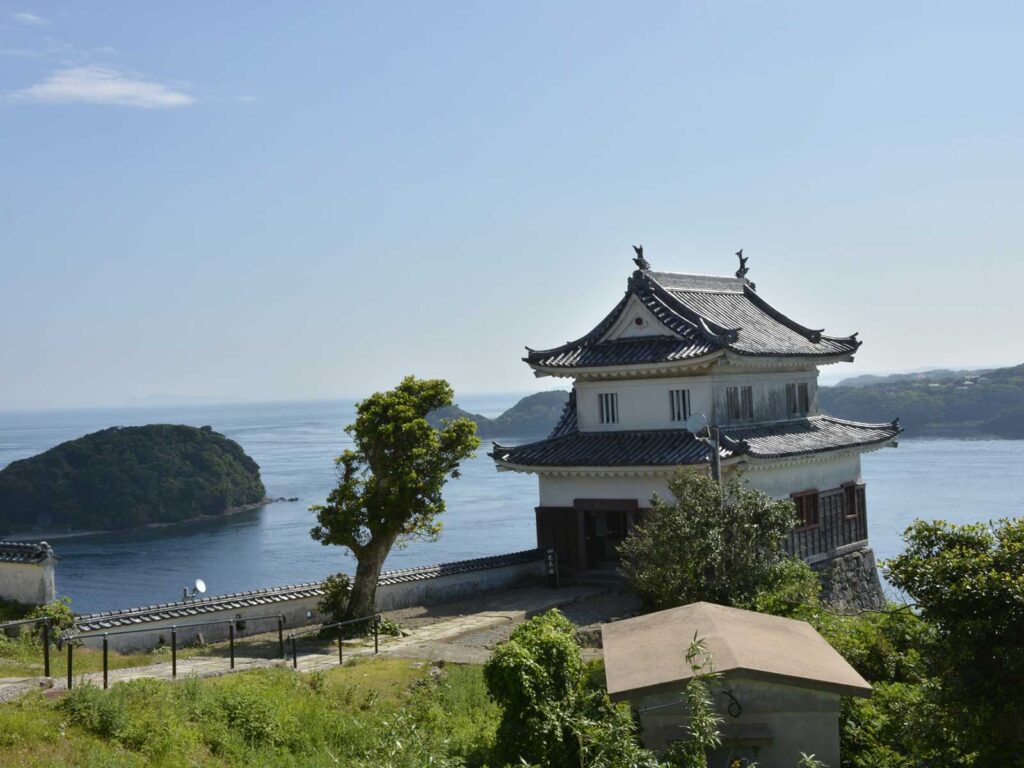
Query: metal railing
x=45, y=621
x=340, y=626
x=69, y=638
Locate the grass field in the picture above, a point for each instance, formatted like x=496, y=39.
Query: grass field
x=379, y=712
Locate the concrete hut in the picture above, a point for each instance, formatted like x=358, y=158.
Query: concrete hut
x=696, y=370
x=779, y=693
x=27, y=572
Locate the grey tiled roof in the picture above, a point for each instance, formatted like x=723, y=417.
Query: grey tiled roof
x=803, y=436
x=699, y=315
x=193, y=610
x=671, y=447
x=24, y=552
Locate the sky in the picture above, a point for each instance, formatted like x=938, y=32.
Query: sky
x=265, y=201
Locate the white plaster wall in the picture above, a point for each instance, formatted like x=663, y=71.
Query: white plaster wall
x=776, y=481
x=643, y=403
x=780, y=481
x=27, y=583
x=389, y=597
x=769, y=391
x=626, y=327
x=562, y=491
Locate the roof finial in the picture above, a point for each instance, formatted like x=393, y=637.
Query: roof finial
x=640, y=261
x=742, y=271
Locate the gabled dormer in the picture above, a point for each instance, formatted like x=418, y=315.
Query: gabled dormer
x=671, y=323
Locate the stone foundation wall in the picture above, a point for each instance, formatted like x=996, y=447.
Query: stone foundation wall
x=849, y=580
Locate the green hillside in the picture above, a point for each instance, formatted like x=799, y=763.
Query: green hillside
x=970, y=404
x=125, y=477
x=533, y=416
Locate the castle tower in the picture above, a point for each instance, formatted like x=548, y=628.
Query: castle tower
x=677, y=353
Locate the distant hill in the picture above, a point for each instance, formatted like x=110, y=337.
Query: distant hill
x=125, y=477
x=533, y=416
x=946, y=403
x=938, y=374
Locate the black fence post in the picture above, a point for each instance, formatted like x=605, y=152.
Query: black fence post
x=46, y=646
x=231, y=642
x=280, y=635
x=341, y=644
x=174, y=653
x=105, y=667
x=295, y=653
x=70, y=661
x=376, y=634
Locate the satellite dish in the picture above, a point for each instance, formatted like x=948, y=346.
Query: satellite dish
x=200, y=586
x=696, y=422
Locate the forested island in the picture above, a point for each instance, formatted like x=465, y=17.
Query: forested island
x=533, y=416
x=939, y=403
x=126, y=477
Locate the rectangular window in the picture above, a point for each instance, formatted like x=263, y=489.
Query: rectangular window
x=806, y=509
x=679, y=404
x=608, y=407
x=798, y=399
x=853, y=499
x=740, y=403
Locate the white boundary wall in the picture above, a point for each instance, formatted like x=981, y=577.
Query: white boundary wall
x=397, y=589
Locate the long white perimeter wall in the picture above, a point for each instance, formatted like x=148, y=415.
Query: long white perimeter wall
x=397, y=589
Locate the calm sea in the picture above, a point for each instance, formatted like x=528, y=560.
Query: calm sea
x=488, y=512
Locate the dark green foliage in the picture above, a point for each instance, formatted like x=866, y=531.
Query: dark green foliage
x=125, y=477
x=968, y=584
x=900, y=726
x=549, y=718
x=992, y=404
x=534, y=415
x=11, y=610
x=335, y=600
x=719, y=543
x=277, y=718
x=390, y=483
x=792, y=590
x=62, y=618
x=883, y=647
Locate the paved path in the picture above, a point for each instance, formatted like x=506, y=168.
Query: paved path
x=437, y=636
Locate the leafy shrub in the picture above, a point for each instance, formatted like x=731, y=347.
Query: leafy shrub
x=719, y=543
x=548, y=719
x=337, y=588
x=62, y=618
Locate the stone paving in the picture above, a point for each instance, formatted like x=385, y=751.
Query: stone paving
x=460, y=632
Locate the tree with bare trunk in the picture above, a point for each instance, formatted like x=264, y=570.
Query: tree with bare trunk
x=390, y=482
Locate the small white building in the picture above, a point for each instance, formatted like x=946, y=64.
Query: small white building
x=779, y=693
x=27, y=572
x=676, y=352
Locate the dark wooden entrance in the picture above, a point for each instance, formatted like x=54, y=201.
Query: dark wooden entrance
x=586, y=534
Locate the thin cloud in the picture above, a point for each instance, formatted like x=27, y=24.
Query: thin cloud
x=31, y=19
x=104, y=85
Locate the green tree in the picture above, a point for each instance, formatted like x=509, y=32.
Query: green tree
x=549, y=718
x=719, y=543
x=968, y=583
x=390, y=483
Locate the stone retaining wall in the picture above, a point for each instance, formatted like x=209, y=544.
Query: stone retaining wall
x=849, y=579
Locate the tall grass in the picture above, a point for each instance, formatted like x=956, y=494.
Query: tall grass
x=383, y=712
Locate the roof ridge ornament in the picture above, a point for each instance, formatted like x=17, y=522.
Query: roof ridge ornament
x=640, y=261
x=742, y=271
